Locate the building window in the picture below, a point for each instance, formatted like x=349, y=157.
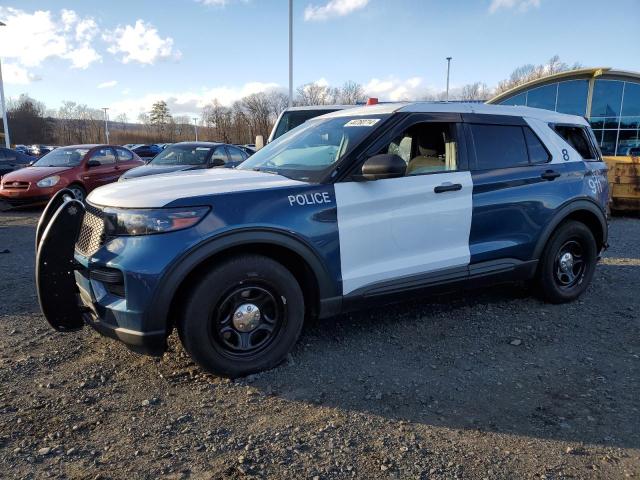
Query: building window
x=607, y=98
x=520, y=99
x=627, y=140
x=631, y=100
x=608, y=142
x=572, y=97
x=543, y=97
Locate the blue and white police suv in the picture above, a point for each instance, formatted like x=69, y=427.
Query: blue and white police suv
x=359, y=206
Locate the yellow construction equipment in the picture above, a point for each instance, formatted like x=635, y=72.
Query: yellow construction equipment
x=624, y=182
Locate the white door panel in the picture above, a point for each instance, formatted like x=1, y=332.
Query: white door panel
x=397, y=227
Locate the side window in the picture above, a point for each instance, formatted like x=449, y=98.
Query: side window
x=236, y=154
x=105, y=156
x=577, y=138
x=537, y=152
x=219, y=156
x=124, y=155
x=426, y=148
x=499, y=146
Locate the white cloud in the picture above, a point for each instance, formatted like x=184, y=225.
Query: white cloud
x=31, y=38
x=215, y=3
x=16, y=75
x=333, y=8
x=82, y=57
x=394, y=89
x=140, y=43
x=109, y=84
x=520, y=5
x=219, y=3
x=189, y=102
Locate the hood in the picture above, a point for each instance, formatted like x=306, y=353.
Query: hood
x=32, y=174
x=159, y=190
x=152, y=169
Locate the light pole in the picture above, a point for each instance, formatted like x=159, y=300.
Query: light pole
x=290, y=53
x=5, y=123
x=106, y=125
x=195, y=125
x=448, y=70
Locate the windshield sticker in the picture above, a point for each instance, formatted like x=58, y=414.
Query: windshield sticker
x=362, y=122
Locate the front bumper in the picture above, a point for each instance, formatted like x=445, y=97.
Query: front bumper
x=111, y=289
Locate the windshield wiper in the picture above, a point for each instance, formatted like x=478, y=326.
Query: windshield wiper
x=258, y=169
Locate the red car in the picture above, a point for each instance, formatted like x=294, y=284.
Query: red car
x=81, y=168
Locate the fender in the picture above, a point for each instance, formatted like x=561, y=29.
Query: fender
x=585, y=204
x=178, y=271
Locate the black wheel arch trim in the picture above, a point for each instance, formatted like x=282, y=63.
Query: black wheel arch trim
x=179, y=270
x=563, y=212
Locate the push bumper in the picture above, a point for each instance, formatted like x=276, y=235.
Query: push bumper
x=69, y=293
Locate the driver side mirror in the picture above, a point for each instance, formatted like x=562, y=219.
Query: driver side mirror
x=93, y=163
x=385, y=165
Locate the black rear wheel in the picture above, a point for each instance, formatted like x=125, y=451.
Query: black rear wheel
x=568, y=263
x=244, y=316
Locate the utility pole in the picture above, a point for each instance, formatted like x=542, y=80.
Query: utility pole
x=195, y=124
x=290, y=53
x=448, y=71
x=106, y=125
x=5, y=123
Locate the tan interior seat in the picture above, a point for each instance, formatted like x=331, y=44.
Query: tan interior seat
x=428, y=158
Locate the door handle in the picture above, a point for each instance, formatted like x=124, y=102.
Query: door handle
x=448, y=187
x=550, y=175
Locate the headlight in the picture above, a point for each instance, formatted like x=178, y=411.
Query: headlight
x=48, y=182
x=146, y=221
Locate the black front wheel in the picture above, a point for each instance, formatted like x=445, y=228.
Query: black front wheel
x=568, y=263
x=244, y=316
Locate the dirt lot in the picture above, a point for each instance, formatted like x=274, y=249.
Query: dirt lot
x=489, y=384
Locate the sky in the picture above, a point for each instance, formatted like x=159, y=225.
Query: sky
x=126, y=54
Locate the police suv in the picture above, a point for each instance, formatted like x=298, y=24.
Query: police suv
x=352, y=208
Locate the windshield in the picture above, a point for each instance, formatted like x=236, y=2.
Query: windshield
x=182, y=155
x=295, y=118
x=62, y=157
x=308, y=151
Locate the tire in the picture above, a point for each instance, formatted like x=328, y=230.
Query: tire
x=78, y=192
x=563, y=278
x=220, y=328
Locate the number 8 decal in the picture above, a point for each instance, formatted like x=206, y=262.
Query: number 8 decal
x=565, y=154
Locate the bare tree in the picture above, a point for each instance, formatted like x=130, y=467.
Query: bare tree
x=528, y=72
x=351, y=93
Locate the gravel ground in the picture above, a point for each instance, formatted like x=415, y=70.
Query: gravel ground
x=486, y=384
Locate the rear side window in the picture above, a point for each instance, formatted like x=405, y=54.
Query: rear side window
x=236, y=154
x=537, y=152
x=124, y=155
x=499, y=146
x=578, y=138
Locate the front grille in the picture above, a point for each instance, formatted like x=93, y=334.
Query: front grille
x=15, y=185
x=91, y=235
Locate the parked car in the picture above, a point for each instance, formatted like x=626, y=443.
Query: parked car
x=190, y=156
x=292, y=117
x=147, y=151
x=39, y=150
x=22, y=149
x=131, y=146
x=80, y=168
x=11, y=160
x=355, y=208
x=248, y=149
